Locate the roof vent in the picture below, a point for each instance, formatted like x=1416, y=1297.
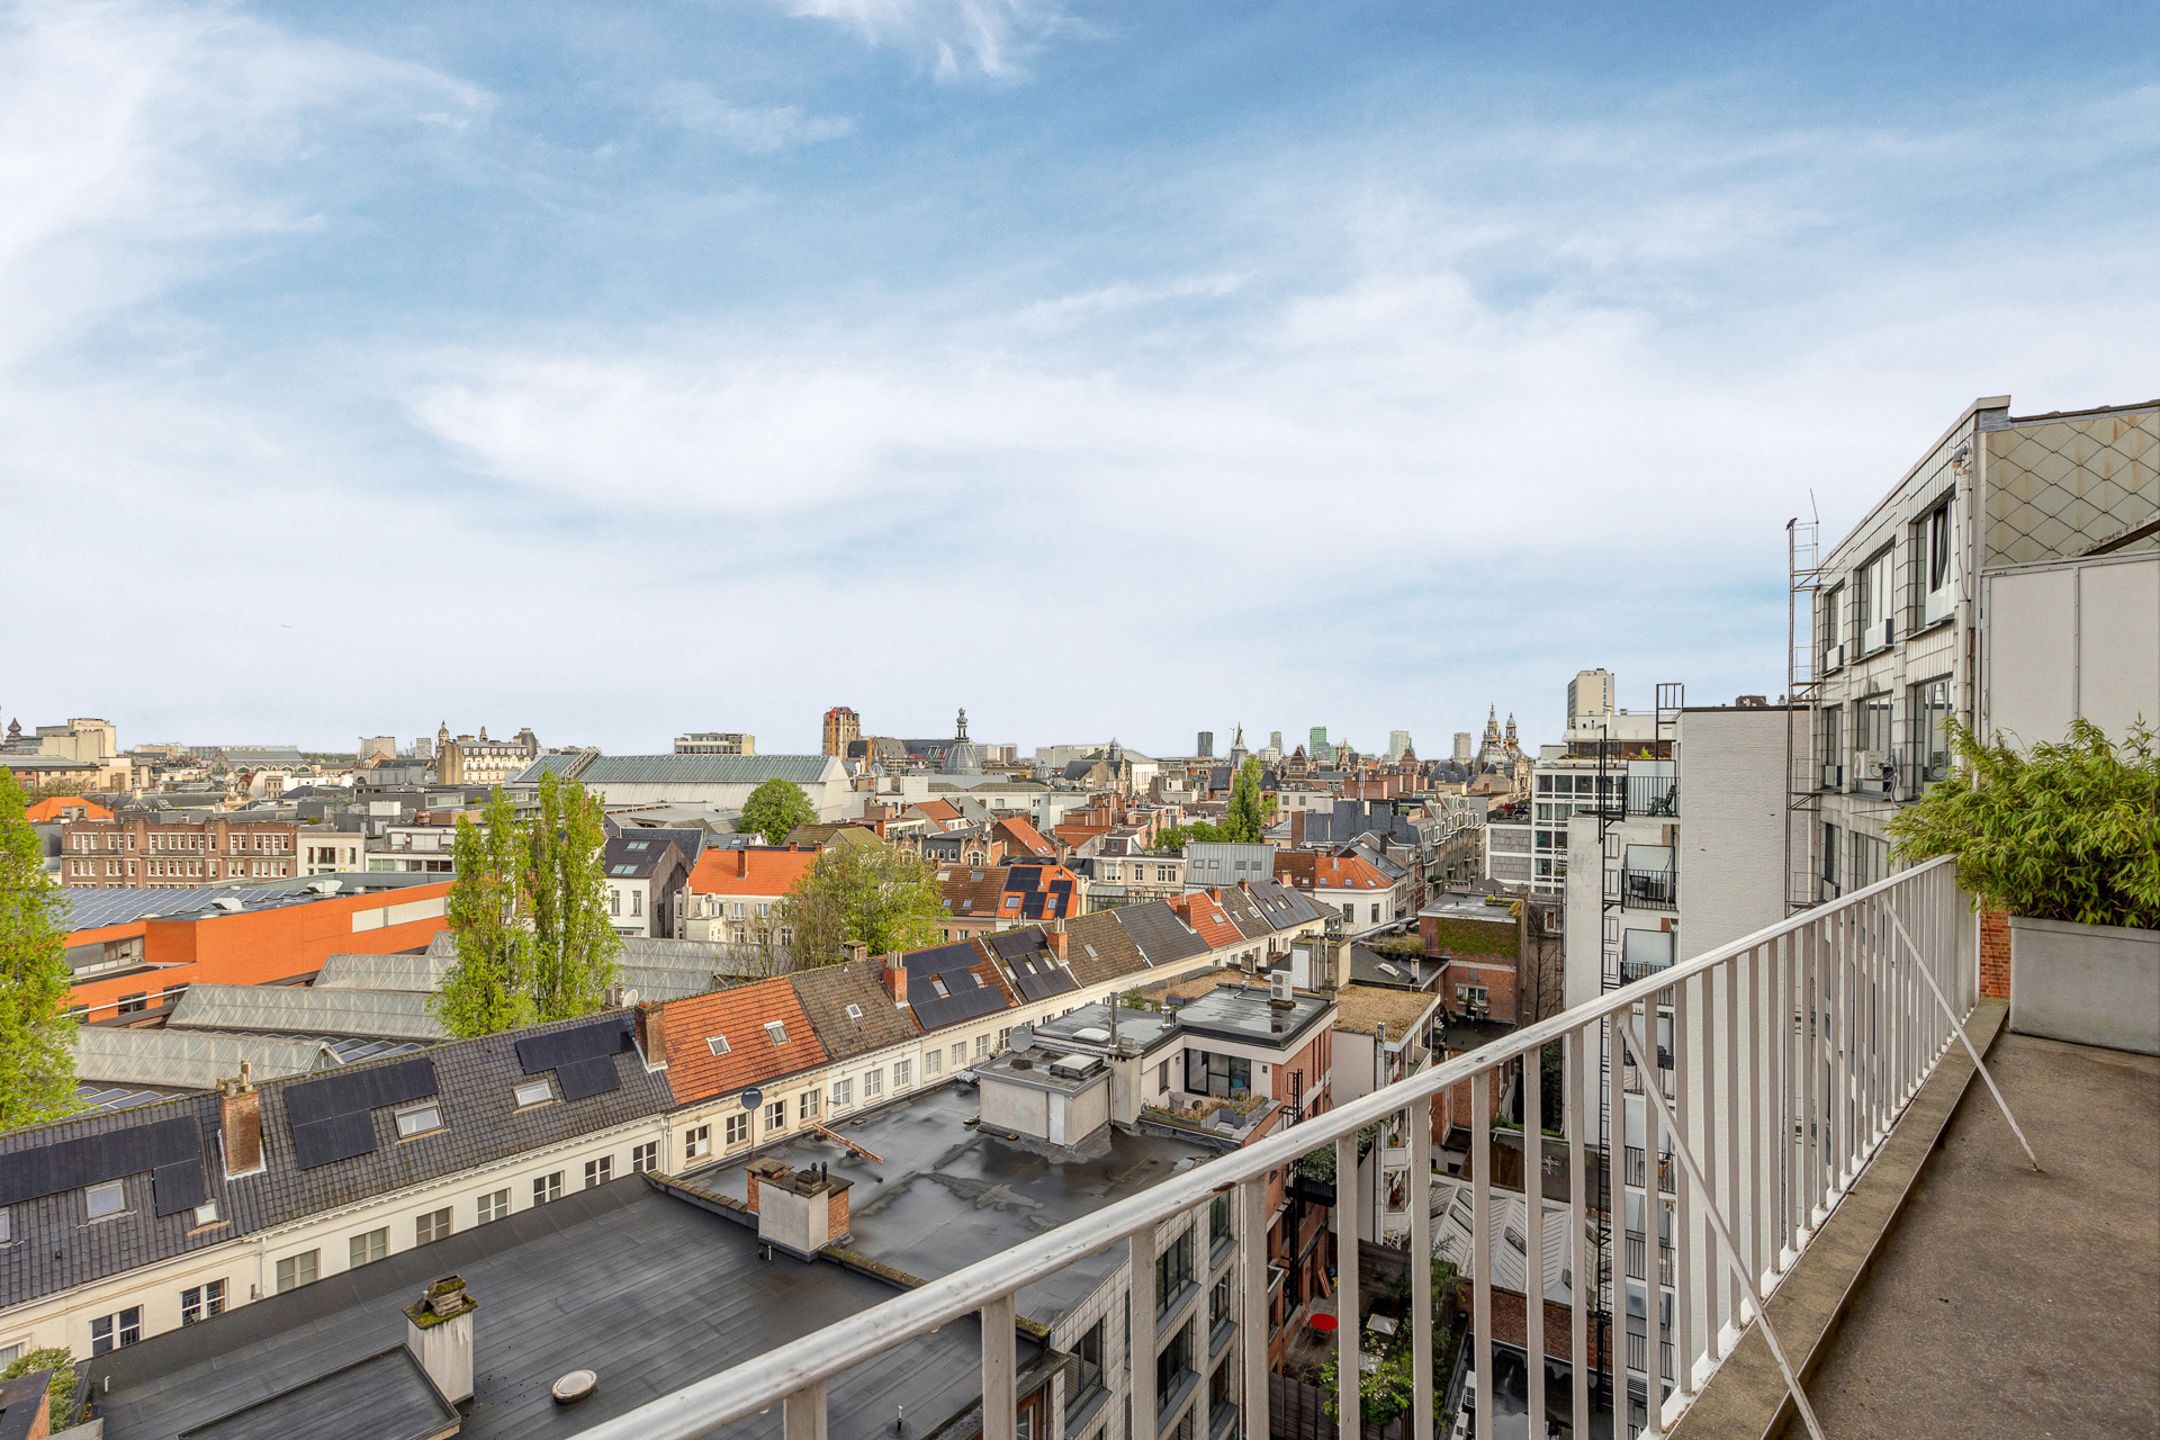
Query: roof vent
x=1022, y=1062
x=573, y=1387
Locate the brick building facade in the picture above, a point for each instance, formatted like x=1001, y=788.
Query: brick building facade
x=138, y=852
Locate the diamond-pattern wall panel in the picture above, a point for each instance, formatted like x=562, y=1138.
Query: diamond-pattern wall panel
x=2057, y=488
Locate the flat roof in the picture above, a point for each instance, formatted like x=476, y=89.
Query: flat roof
x=648, y=1291
x=1145, y=1028
x=1248, y=1014
x=944, y=1194
x=1363, y=1008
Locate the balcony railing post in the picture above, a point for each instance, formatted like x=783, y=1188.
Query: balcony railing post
x=1616, y=1180
x=1480, y=1247
x=1978, y=1064
x=1685, y=1075
x=1349, y=1336
x=1582, y=1294
x=1256, y=1317
x=1731, y=1111
x=1423, y=1398
x=1533, y=1122
x=802, y=1414
x=1653, y=1084
x=1000, y=1398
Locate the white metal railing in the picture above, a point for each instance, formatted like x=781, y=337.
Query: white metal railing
x=1794, y=1050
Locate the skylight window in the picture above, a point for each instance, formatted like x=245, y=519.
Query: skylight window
x=854, y=1012
x=106, y=1200
x=776, y=1032
x=717, y=1044
x=533, y=1092
x=419, y=1120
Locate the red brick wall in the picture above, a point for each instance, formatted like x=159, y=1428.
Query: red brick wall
x=1509, y=1328
x=1995, y=954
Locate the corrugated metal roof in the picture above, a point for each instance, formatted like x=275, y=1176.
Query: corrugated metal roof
x=416, y=973
x=689, y=769
x=383, y=1014
x=192, y=1060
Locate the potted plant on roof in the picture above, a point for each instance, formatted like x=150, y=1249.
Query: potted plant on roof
x=2065, y=837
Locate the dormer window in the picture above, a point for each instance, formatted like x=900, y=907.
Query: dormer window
x=776, y=1032
x=717, y=1044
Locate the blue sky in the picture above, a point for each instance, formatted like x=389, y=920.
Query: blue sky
x=626, y=369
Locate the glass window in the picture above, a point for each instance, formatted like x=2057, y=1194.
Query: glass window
x=1173, y=1269
x=1219, y=1211
x=533, y=1092
x=1218, y=1310
x=106, y=1199
x=843, y=1092
x=806, y=1106
x=369, y=1246
x=599, y=1172
x=1174, y=1361
x=419, y=1120
x=433, y=1226
x=933, y=1061
x=644, y=1156
x=697, y=1142
x=297, y=1270
x=547, y=1188
x=109, y=1332
x=776, y=1115
x=873, y=1084
x=1928, y=731
x=1086, y=1376
x=494, y=1205
x=903, y=1073
x=200, y=1302
x=738, y=1128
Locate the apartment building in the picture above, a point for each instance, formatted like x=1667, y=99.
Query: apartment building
x=162, y=850
x=731, y=895
x=2010, y=580
x=716, y=742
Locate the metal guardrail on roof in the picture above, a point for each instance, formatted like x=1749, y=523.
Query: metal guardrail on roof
x=1795, y=1050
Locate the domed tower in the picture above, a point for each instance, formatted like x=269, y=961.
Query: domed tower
x=1514, y=746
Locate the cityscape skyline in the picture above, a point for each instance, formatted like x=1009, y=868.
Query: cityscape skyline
x=756, y=327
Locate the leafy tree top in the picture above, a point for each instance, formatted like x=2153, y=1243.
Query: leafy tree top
x=37, y=1034
x=774, y=809
x=2070, y=831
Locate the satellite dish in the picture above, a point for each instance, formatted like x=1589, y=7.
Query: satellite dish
x=752, y=1098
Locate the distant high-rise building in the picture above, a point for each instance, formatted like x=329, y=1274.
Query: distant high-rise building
x=1397, y=742
x=716, y=742
x=1316, y=744
x=1204, y=747
x=842, y=728
x=377, y=747
x=1274, y=741
x=1463, y=752
x=1590, y=696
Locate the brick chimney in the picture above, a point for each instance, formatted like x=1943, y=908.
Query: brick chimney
x=1057, y=938
x=652, y=1034
x=799, y=1211
x=439, y=1332
x=895, y=977
x=240, y=1123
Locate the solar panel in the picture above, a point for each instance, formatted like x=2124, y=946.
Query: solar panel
x=178, y=1187
x=360, y=1090
x=609, y=1036
x=336, y=1137
x=94, y=1159
x=581, y=1078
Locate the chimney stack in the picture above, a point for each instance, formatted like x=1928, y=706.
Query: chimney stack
x=439, y=1332
x=895, y=977
x=240, y=1123
x=1057, y=938
x=652, y=1034
x=799, y=1211
x=857, y=951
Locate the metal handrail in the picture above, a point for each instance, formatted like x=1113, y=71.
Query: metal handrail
x=805, y=1366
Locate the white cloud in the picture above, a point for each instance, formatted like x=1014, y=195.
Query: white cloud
x=752, y=129
x=960, y=39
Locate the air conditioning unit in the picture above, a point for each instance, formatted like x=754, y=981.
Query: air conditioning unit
x=1836, y=655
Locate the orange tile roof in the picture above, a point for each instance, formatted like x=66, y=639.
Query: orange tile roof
x=1347, y=872
x=739, y=1017
x=942, y=811
x=760, y=870
x=1077, y=835
x=1205, y=914
x=54, y=807
x=1023, y=834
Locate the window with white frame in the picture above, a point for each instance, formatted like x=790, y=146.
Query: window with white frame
x=933, y=1061
x=599, y=1171
x=200, y=1302
x=494, y=1206
x=106, y=1200
x=873, y=1084
x=697, y=1142
x=419, y=1120
x=547, y=1188
x=843, y=1093
x=296, y=1270
x=959, y=1056
x=806, y=1105
x=776, y=1032
x=1872, y=605
x=1938, y=591
x=432, y=1226
x=532, y=1092
x=776, y=1115
x=369, y=1246
x=644, y=1156
x=110, y=1332
x=982, y=1047
x=903, y=1073
x=738, y=1128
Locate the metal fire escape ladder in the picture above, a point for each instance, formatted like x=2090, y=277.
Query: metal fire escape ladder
x=1803, y=687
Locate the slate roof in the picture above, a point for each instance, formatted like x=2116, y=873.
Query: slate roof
x=1098, y=949
x=826, y=993
x=650, y=1291
x=1244, y=912
x=636, y=856
x=1284, y=908
x=738, y=1017
x=482, y=1123
x=1159, y=934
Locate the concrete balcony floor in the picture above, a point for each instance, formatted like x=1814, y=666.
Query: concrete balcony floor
x=2006, y=1303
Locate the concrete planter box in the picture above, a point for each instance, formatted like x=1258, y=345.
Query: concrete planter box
x=2088, y=984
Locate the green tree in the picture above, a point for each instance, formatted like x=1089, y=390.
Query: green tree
x=872, y=895
x=2070, y=831
x=1248, y=812
x=59, y=1391
x=574, y=942
x=37, y=1032
x=529, y=910
x=489, y=988
x=1177, y=837
x=774, y=809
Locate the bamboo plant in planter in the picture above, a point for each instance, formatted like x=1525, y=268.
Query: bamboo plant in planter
x=2066, y=838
